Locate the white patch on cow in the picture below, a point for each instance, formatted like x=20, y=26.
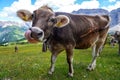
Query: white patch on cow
x=93, y=63
x=52, y=64
x=41, y=38
x=70, y=74
x=93, y=50
x=94, y=55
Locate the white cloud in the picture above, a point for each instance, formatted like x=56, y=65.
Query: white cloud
x=90, y=4
x=57, y=5
x=68, y=5
x=64, y=5
x=3, y=14
x=112, y=0
x=54, y=2
x=10, y=12
x=111, y=7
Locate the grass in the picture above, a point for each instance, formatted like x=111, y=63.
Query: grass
x=30, y=63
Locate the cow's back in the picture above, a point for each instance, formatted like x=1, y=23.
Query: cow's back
x=84, y=23
x=82, y=30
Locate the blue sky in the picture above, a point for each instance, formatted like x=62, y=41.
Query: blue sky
x=8, y=8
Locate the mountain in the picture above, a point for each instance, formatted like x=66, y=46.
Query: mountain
x=114, y=29
x=9, y=23
x=11, y=31
x=114, y=14
x=91, y=11
x=115, y=17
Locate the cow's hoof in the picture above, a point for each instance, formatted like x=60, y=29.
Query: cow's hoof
x=50, y=72
x=91, y=67
x=70, y=74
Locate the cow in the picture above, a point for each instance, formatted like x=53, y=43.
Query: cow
x=117, y=37
x=66, y=31
x=112, y=40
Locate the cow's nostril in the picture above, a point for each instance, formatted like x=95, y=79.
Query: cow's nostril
x=30, y=29
x=40, y=34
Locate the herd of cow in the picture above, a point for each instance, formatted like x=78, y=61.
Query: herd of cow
x=65, y=31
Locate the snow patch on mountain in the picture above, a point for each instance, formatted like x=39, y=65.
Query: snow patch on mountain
x=115, y=28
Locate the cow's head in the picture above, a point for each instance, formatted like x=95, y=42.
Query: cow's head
x=117, y=35
x=43, y=21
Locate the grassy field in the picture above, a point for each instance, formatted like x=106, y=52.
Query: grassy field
x=30, y=63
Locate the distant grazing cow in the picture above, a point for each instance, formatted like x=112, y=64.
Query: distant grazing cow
x=16, y=48
x=112, y=40
x=65, y=31
x=117, y=37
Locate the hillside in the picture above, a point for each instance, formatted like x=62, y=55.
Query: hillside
x=11, y=31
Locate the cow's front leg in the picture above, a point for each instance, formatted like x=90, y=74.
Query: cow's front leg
x=55, y=50
x=53, y=59
x=69, y=52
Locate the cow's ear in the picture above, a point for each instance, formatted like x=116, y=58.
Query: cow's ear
x=25, y=15
x=62, y=21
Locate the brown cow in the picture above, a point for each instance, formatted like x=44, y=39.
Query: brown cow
x=66, y=31
x=117, y=37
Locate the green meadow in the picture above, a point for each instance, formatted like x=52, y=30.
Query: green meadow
x=30, y=63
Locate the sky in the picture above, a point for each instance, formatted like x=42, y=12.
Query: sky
x=8, y=8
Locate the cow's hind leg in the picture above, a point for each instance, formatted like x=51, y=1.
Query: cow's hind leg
x=97, y=48
x=92, y=65
x=96, y=51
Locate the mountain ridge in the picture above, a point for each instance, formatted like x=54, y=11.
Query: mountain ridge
x=114, y=14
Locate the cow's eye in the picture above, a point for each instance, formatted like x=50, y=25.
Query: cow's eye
x=53, y=20
x=33, y=15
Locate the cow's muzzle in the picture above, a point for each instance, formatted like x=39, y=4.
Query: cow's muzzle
x=34, y=35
